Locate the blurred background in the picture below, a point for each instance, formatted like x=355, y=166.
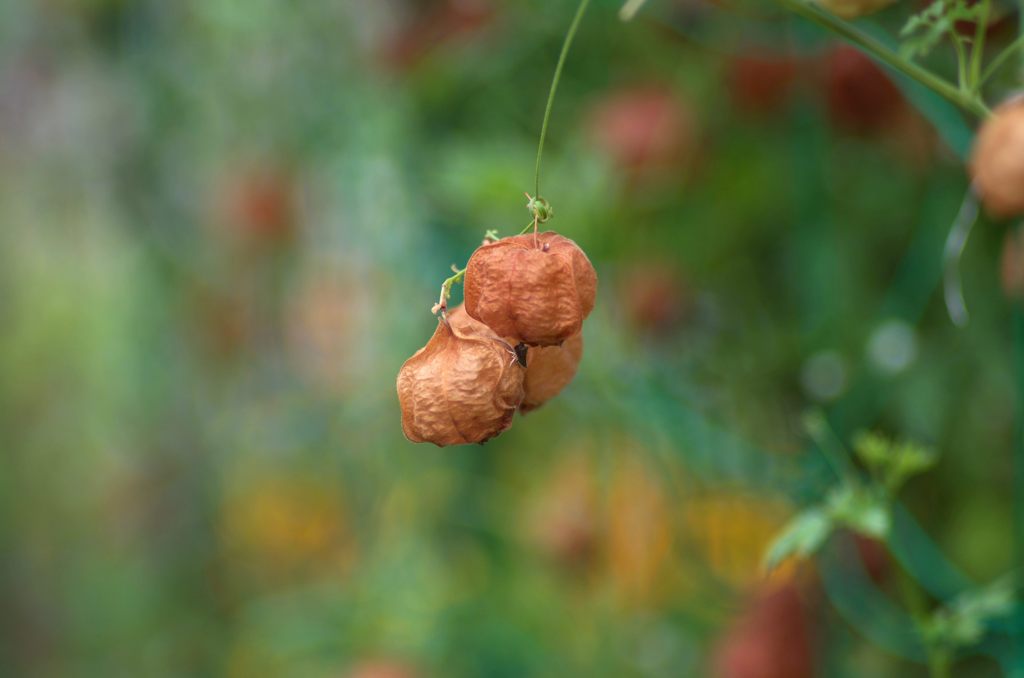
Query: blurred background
x=222, y=227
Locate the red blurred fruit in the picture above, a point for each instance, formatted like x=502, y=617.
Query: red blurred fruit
x=654, y=298
x=874, y=556
x=771, y=638
x=258, y=206
x=433, y=26
x=761, y=84
x=643, y=128
x=860, y=96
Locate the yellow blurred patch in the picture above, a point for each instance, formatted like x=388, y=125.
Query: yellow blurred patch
x=280, y=528
x=640, y=533
x=729, y=532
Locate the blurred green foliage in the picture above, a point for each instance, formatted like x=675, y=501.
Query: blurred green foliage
x=223, y=224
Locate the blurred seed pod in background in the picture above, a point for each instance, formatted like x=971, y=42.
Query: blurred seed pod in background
x=655, y=298
x=434, y=26
x=464, y=386
x=257, y=206
x=535, y=290
x=997, y=161
x=859, y=95
x=762, y=83
x=549, y=369
x=770, y=638
x=644, y=129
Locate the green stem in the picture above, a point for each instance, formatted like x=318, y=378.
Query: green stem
x=1001, y=59
x=938, y=657
x=938, y=662
x=554, y=86
x=446, y=290
x=978, y=48
x=961, y=60
x=828, y=21
x=829, y=445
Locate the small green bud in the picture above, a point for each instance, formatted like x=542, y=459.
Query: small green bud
x=540, y=208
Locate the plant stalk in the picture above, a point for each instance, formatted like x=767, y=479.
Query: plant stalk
x=978, y=47
x=554, y=86
x=966, y=100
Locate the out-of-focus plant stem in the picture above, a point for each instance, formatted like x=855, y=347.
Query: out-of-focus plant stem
x=1001, y=59
x=978, y=48
x=961, y=60
x=967, y=100
x=554, y=86
x=938, y=663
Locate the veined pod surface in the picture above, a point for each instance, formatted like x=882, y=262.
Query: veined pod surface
x=462, y=387
x=534, y=288
x=997, y=162
x=549, y=369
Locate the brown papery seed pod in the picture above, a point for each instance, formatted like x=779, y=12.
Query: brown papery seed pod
x=535, y=288
x=549, y=369
x=997, y=162
x=462, y=387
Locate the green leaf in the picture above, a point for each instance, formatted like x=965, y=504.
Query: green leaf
x=861, y=510
x=630, y=9
x=873, y=450
x=924, y=30
x=962, y=622
x=893, y=463
x=801, y=537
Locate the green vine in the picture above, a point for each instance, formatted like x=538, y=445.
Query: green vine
x=539, y=208
x=962, y=96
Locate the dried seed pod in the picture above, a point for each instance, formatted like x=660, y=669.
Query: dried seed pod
x=537, y=289
x=997, y=162
x=462, y=387
x=549, y=369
